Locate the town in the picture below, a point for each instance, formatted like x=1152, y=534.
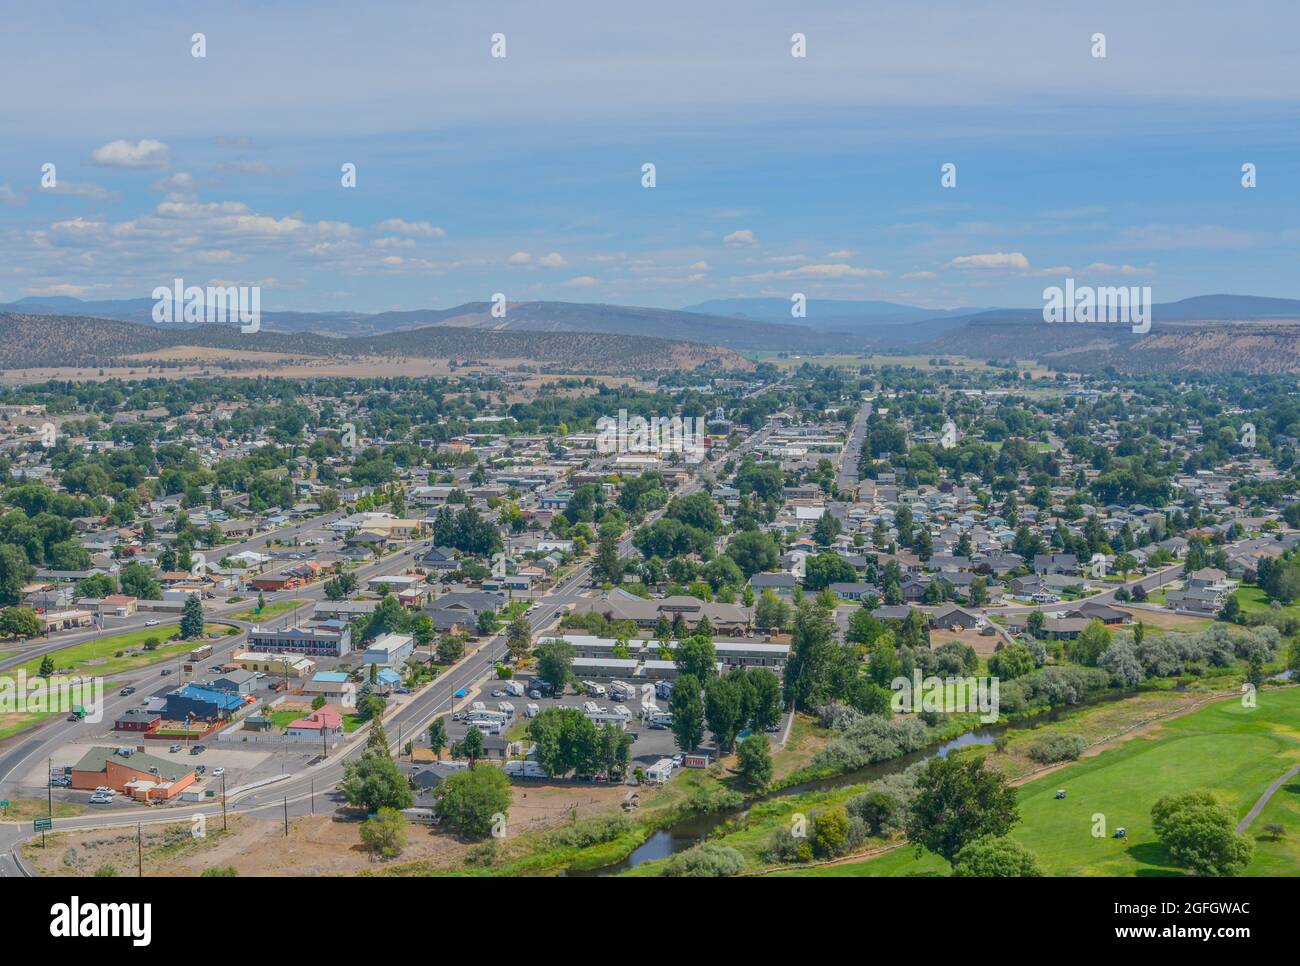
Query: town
x=439, y=607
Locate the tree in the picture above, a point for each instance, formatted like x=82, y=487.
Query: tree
x=47, y=667
x=1090, y=644
x=471, y=746
x=688, y=712
x=15, y=571
x=473, y=801
x=723, y=710
x=1012, y=661
x=374, y=782
x=137, y=580
x=1035, y=623
x=607, y=566
x=1201, y=834
x=519, y=637
x=438, y=736
x=812, y=657
x=755, y=761
x=385, y=833
x=772, y=612
x=754, y=552
x=451, y=648
x=565, y=741
x=957, y=802
x=20, y=622
x=765, y=699
x=824, y=569
x=697, y=657
x=555, y=662
x=192, y=618
x=995, y=857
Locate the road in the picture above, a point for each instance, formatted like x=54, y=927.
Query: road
x=846, y=477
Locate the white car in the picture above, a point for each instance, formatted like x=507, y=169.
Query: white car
x=218, y=772
x=152, y=623
x=98, y=799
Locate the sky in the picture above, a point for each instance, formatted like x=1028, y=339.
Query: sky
x=523, y=174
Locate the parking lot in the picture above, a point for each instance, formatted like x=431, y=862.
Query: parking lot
x=649, y=744
x=242, y=766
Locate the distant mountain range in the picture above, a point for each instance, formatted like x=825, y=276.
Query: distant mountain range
x=45, y=341
x=534, y=329
x=836, y=314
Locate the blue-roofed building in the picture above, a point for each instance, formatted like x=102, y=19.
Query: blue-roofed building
x=386, y=679
x=197, y=703
x=334, y=685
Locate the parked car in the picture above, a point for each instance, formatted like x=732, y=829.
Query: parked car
x=198, y=749
x=152, y=623
x=218, y=772
x=98, y=799
x=174, y=748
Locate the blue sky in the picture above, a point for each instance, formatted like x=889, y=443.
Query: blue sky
x=523, y=175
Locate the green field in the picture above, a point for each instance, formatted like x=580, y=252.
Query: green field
x=272, y=609
x=97, y=656
x=1232, y=751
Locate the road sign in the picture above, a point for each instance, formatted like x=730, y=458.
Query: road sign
x=42, y=824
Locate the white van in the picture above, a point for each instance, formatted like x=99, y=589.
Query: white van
x=532, y=710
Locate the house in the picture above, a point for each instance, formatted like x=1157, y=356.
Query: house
x=133, y=773
x=953, y=616
x=140, y=720
x=855, y=591
x=324, y=721
x=1090, y=610
x=334, y=685
x=389, y=651
x=118, y=605
x=1055, y=563
x=782, y=585
x=440, y=559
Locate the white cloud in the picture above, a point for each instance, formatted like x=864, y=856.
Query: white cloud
x=415, y=229
x=1108, y=269
x=740, y=239
x=915, y=275
x=552, y=260
x=1012, y=260
x=520, y=258
x=10, y=197
x=582, y=281
x=147, y=153
x=80, y=189
x=700, y=267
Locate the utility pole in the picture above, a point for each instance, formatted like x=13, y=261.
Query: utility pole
x=49, y=789
x=139, y=850
x=286, y=816
x=225, y=826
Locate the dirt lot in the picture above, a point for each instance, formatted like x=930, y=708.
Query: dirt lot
x=1166, y=621
x=984, y=646
x=315, y=845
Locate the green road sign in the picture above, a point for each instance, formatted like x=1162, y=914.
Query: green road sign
x=42, y=824
x=4, y=804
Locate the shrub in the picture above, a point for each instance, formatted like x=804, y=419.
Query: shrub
x=1060, y=747
x=707, y=860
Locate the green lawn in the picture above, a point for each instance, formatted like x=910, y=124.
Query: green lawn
x=1253, y=600
x=97, y=656
x=272, y=609
x=281, y=720
x=1232, y=751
